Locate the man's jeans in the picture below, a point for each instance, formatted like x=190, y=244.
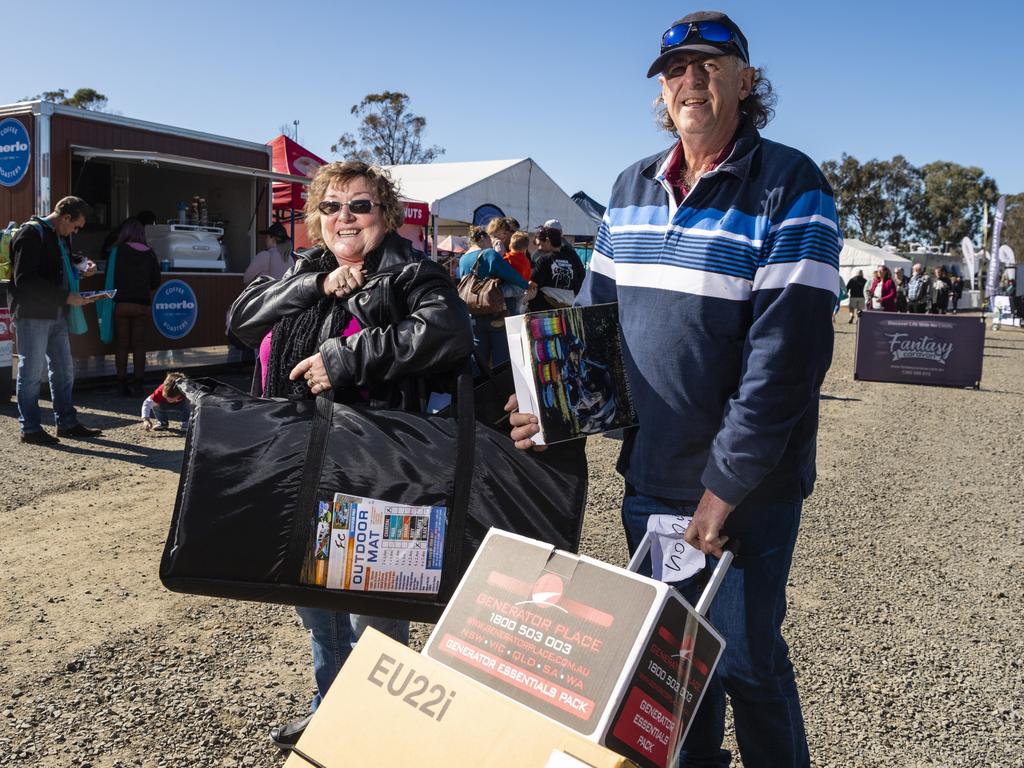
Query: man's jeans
x=42, y=345
x=333, y=634
x=748, y=611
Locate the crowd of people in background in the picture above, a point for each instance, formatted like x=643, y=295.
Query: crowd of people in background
x=547, y=278
x=921, y=293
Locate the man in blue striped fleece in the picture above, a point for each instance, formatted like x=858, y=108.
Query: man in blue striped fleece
x=722, y=252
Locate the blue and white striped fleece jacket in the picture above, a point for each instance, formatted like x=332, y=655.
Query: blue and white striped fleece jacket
x=726, y=311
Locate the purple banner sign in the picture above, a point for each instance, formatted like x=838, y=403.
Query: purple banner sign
x=941, y=350
x=994, y=267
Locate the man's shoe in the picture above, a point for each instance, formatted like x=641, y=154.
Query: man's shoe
x=79, y=430
x=42, y=437
x=287, y=736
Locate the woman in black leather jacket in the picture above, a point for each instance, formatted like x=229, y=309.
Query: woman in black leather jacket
x=363, y=317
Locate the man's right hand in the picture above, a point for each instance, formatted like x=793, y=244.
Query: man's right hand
x=77, y=300
x=524, y=426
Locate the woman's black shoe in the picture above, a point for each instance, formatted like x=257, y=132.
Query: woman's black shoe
x=287, y=736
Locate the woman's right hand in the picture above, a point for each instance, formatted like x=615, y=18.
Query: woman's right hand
x=343, y=281
x=524, y=426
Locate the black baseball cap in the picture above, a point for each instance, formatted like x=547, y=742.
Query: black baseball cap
x=720, y=37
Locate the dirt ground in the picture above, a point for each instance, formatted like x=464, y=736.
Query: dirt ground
x=905, y=601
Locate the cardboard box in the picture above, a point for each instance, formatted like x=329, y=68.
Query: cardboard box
x=390, y=706
x=617, y=657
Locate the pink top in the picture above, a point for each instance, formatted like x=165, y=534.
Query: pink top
x=353, y=327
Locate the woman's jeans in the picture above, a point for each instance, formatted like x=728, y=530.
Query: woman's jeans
x=748, y=611
x=44, y=346
x=491, y=341
x=333, y=634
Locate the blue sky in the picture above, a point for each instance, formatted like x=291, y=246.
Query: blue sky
x=561, y=82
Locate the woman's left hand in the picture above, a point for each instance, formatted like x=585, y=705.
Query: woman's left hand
x=313, y=371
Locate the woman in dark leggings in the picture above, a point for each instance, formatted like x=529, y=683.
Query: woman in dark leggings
x=136, y=276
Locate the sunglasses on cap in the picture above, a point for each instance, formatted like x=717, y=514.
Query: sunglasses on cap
x=331, y=207
x=708, y=31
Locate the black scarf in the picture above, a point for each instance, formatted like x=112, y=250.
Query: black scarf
x=296, y=337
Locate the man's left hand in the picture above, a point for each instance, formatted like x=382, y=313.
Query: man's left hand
x=705, y=530
x=90, y=268
x=313, y=371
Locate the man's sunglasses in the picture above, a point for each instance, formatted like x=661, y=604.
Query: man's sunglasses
x=710, y=31
x=331, y=207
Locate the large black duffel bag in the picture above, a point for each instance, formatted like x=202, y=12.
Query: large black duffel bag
x=255, y=471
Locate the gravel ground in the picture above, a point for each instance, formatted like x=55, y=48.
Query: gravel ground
x=904, y=609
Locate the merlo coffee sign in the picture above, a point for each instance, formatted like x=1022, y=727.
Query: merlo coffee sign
x=15, y=152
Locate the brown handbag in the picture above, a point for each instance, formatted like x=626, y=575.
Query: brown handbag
x=481, y=294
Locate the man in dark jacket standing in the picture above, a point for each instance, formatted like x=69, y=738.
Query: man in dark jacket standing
x=554, y=267
x=568, y=253
x=41, y=298
x=855, y=288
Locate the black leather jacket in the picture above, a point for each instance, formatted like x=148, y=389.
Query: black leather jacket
x=415, y=325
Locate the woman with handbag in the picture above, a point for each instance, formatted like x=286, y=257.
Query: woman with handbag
x=361, y=317
x=483, y=275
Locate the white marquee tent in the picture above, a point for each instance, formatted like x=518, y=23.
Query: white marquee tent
x=519, y=188
x=857, y=254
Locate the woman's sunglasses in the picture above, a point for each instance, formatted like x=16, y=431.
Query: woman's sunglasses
x=711, y=31
x=331, y=207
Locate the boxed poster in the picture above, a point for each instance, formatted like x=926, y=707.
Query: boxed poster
x=390, y=706
x=569, y=371
x=615, y=656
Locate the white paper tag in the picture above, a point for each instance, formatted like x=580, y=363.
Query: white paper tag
x=672, y=559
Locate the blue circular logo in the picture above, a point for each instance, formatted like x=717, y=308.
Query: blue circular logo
x=175, y=309
x=15, y=152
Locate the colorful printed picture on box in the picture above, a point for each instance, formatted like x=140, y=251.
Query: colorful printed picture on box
x=579, y=372
x=370, y=545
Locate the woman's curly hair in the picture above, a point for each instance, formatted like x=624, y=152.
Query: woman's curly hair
x=758, y=108
x=391, y=207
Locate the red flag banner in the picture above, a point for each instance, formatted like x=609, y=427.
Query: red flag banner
x=293, y=158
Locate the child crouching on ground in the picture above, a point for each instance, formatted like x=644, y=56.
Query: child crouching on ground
x=166, y=400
